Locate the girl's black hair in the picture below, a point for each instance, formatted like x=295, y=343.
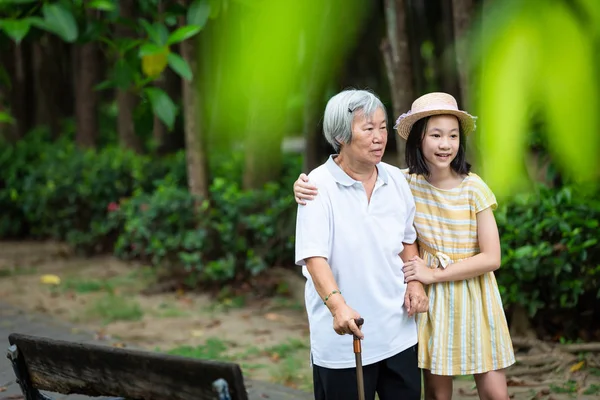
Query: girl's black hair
x=414, y=156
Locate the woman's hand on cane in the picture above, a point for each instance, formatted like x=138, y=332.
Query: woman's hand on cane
x=343, y=321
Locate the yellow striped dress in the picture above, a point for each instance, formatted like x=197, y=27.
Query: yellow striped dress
x=465, y=331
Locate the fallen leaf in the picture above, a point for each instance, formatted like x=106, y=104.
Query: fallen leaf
x=50, y=279
x=542, y=393
x=275, y=357
x=577, y=367
x=197, y=333
x=272, y=316
x=213, y=324
x=187, y=301
x=119, y=345
x=2, y=389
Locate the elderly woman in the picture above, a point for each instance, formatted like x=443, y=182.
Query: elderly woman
x=352, y=241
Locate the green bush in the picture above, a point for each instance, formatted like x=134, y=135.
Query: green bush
x=236, y=235
x=550, y=252
x=16, y=163
x=162, y=228
x=54, y=190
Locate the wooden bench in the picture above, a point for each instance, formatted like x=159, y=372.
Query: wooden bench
x=95, y=370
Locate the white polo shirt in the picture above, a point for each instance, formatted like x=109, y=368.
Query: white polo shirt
x=361, y=242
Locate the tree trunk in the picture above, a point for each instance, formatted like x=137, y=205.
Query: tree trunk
x=159, y=129
x=86, y=71
x=446, y=54
x=126, y=99
x=195, y=145
x=45, y=74
x=462, y=13
x=175, y=140
x=18, y=65
x=396, y=54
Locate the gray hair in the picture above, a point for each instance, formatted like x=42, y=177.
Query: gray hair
x=341, y=110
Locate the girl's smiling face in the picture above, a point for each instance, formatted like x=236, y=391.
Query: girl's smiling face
x=441, y=141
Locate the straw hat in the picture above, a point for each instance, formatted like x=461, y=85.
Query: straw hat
x=436, y=103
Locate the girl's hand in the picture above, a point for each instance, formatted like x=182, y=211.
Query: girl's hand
x=304, y=190
x=416, y=270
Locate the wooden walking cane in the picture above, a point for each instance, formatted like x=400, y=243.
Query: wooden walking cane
x=359, y=370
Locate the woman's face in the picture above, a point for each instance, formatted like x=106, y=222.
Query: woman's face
x=369, y=137
x=441, y=141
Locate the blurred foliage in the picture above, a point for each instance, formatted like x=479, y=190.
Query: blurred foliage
x=276, y=52
x=538, y=58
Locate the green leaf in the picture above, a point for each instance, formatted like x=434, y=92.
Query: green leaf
x=149, y=49
x=198, y=13
x=162, y=105
x=150, y=30
x=180, y=66
x=16, y=28
x=163, y=33
x=185, y=32
x=60, y=21
x=123, y=74
x=103, y=5
x=17, y=1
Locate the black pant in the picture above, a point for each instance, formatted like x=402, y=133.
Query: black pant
x=397, y=377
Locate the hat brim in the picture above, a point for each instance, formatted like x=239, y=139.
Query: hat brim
x=466, y=120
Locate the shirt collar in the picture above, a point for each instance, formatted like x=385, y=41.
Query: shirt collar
x=344, y=179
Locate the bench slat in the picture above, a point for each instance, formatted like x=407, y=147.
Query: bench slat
x=96, y=370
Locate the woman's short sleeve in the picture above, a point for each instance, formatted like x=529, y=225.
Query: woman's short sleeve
x=482, y=196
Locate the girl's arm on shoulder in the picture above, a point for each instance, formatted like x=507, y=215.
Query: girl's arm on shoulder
x=487, y=260
x=304, y=190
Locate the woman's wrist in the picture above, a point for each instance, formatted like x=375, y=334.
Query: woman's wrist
x=334, y=302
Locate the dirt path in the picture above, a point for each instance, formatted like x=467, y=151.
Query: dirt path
x=269, y=338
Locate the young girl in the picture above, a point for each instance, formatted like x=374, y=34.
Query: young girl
x=465, y=330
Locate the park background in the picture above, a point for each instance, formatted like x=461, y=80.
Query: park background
x=148, y=150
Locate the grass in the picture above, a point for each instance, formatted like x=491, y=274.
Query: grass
x=286, y=349
x=168, y=310
x=134, y=280
x=286, y=304
x=289, y=372
x=592, y=389
x=83, y=285
x=569, y=386
x=111, y=308
x=213, y=349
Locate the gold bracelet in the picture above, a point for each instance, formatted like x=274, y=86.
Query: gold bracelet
x=331, y=294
